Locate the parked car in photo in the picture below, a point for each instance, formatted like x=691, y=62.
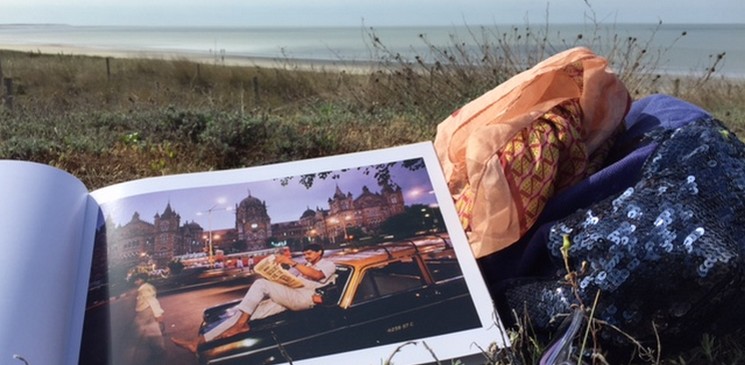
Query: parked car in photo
x=383, y=294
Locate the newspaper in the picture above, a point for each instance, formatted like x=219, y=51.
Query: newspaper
x=273, y=271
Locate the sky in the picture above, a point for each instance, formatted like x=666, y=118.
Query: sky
x=214, y=208
x=365, y=12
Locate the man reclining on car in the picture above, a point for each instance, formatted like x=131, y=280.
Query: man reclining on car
x=265, y=298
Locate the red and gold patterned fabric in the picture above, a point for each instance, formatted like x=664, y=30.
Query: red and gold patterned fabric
x=506, y=153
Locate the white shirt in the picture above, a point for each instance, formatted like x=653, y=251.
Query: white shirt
x=146, y=298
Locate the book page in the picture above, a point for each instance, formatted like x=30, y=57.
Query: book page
x=383, y=220
x=42, y=230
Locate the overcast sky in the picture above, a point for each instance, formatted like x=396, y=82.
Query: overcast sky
x=367, y=12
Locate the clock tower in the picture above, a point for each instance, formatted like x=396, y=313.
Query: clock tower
x=166, y=235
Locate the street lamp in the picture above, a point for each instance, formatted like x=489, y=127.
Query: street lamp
x=205, y=238
x=344, y=224
x=333, y=234
x=311, y=234
x=210, y=252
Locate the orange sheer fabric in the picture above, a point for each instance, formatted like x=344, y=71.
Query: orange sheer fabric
x=507, y=152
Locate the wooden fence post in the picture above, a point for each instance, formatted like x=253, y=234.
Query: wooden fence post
x=256, y=89
x=243, y=93
x=8, y=92
x=108, y=68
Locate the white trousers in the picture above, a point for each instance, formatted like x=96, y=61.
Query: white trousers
x=263, y=299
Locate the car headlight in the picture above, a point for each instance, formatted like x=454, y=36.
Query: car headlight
x=232, y=347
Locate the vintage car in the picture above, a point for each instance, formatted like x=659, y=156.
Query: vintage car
x=383, y=294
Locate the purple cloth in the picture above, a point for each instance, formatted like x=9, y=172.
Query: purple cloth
x=659, y=111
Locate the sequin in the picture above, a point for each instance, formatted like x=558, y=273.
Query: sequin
x=692, y=237
x=670, y=249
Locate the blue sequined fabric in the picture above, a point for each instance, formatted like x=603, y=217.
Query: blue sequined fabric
x=668, y=250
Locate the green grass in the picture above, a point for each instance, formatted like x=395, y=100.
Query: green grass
x=69, y=112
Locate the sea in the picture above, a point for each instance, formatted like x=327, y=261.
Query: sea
x=669, y=48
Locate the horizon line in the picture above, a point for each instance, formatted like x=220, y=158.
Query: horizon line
x=227, y=26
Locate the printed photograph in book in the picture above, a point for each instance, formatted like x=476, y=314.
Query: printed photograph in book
x=258, y=266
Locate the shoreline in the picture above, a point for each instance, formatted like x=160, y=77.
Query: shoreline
x=300, y=64
x=362, y=49
x=357, y=67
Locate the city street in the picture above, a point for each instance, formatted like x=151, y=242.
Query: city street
x=183, y=314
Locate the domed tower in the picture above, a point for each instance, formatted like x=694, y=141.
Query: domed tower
x=312, y=223
x=308, y=218
x=252, y=222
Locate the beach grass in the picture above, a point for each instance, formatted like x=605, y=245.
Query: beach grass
x=164, y=116
x=112, y=119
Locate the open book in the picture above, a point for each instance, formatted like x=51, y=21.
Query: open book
x=74, y=263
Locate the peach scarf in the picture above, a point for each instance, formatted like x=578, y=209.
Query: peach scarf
x=505, y=153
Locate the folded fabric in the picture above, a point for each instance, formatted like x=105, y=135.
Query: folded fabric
x=507, y=152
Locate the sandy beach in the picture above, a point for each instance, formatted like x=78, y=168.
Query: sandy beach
x=200, y=57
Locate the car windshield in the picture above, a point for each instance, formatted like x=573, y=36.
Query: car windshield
x=391, y=278
x=333, y=291
x=444, y=269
